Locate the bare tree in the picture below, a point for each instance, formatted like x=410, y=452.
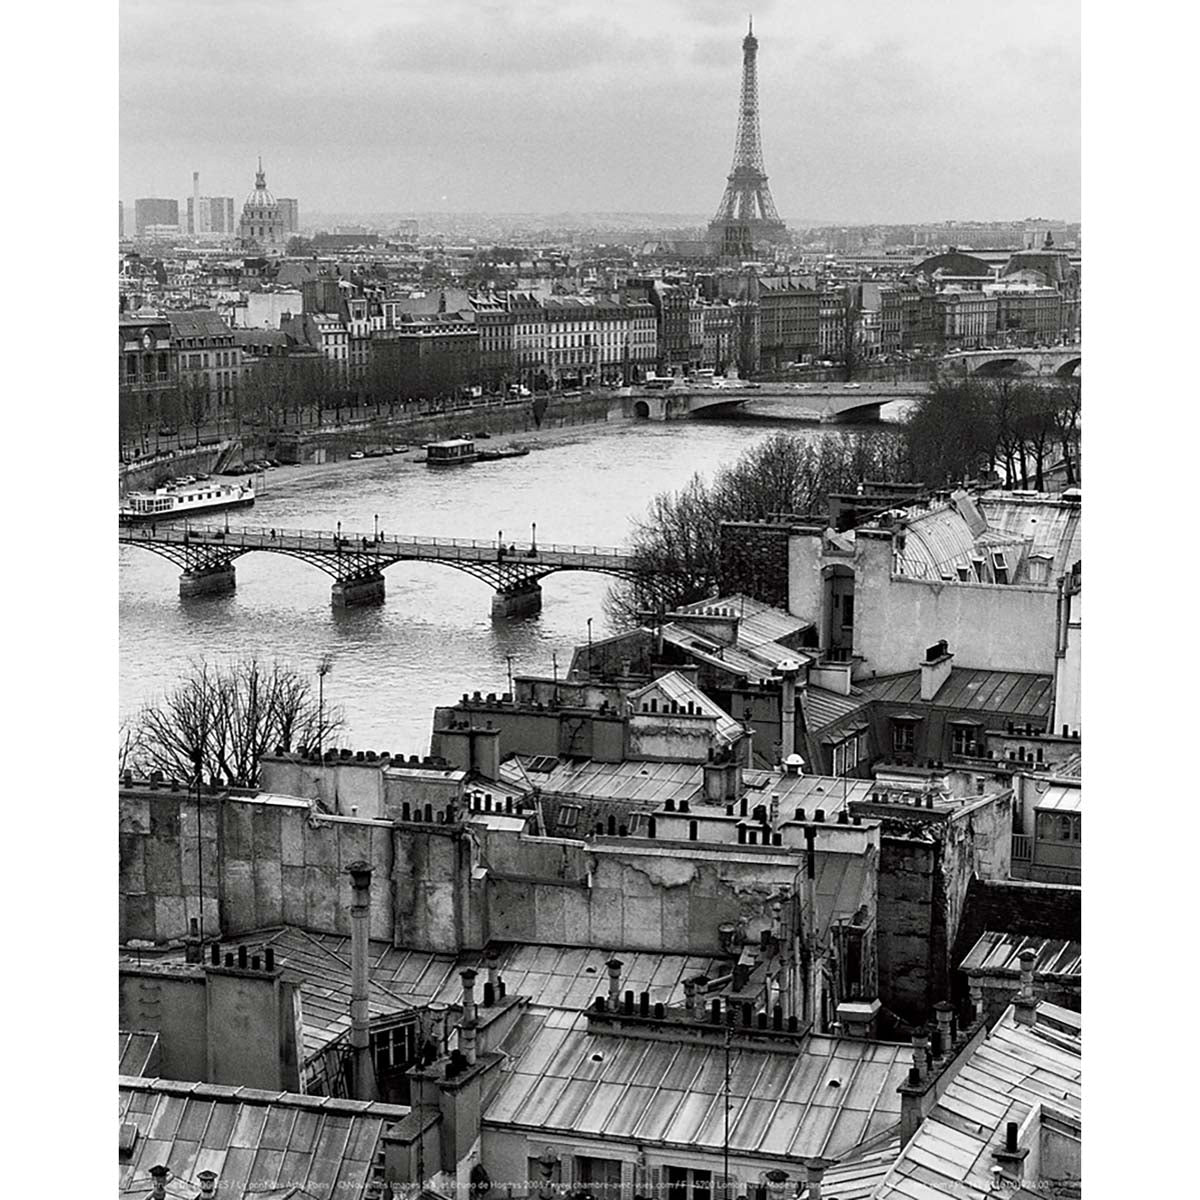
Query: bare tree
x=678, y=541
x=221, y=720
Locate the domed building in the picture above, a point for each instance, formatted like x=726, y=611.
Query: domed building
x=262, y=224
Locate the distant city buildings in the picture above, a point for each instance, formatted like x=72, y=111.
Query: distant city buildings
x=289, y=214
x=262, y=222
x=155, y=213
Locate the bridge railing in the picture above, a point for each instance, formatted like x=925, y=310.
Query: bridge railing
x=327, y=539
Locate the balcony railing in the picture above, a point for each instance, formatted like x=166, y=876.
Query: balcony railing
x=1022, y=847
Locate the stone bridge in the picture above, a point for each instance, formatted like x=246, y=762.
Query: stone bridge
x=356, y=562
x=832, y=402
x=1057, y=361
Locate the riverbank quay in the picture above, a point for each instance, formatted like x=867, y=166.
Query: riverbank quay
x=337, y=443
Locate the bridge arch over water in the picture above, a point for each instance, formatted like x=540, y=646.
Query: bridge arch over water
x=356, y=562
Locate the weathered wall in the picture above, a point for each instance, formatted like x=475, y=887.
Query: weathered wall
x=924, y=880
x=159, y=855
x=987, y=625
x=896, y=618
x=660, y=902
x=173, y=1006
x=265, y=864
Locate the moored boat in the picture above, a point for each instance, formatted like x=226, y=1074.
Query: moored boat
x=451, y=453
x=173, y=500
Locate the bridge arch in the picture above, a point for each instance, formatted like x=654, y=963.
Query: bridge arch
x=1070, y=369
x=996, y=367
x=641, y=410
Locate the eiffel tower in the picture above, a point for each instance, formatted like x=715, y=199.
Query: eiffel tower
x=746, y=214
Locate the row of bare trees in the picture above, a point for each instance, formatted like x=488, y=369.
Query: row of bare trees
x=679, y=538
x=1014, y=427
x=220, y=719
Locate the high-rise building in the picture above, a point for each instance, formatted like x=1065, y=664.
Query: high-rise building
x=746, y=214
x=289, y=212
x=221, y=215
x=261, y=224
x=149, y=211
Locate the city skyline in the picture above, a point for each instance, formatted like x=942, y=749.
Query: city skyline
x=946, y=109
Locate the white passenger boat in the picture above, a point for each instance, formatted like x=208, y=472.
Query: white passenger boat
x=173, y=500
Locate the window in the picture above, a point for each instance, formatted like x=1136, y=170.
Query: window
x=847, y=611
x=598, y=1177
x=904, y=735
x=964, y=739
x=1058, y=827
x=684, y=1183
x=568, y=816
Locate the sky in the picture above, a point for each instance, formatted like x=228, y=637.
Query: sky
x=871, y=110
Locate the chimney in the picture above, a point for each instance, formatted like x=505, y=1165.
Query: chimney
x=208, y=1184
x=360, y=928
x=776, y=1180
x=722, y=780
x=1025, y=1005
x=614, y=982
x=158, y=1183
x=787, y=671
x=470, y=1023
x=935, y=669
x=1009, y=1157
x=814, y=1170
x=699, y=995
x=944, y=1012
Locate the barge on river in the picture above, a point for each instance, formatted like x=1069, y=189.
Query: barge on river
x=196, y=499
x=451, y=453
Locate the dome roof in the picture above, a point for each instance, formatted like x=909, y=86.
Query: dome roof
x=260, y=197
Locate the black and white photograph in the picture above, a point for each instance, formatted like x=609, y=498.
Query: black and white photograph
x=594, y=639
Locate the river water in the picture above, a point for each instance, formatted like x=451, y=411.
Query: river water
x=434, y=637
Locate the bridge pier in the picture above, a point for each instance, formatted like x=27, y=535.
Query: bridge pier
x=216, y=580
x=520, y=600
x=362, y=589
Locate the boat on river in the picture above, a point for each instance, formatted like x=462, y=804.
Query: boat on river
x=502, y=452
x=184, y=500
x=451, y=453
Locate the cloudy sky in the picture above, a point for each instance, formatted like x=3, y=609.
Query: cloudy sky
x=872, y=110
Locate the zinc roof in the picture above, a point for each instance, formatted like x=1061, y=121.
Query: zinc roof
x=1001, y=951
x=1060, y=798
x=1054, y=528
x=254, y=1141
x=680, y=690
x=822, y=707
x=936, y=539
x=825, y=1100
x=646, y=782
x=401, y=979
x=1013, y=1069
x=757, y=622
x=1019, y=693
x=137, y=1052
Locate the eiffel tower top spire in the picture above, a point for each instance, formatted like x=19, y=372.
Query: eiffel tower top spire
x=746, y=213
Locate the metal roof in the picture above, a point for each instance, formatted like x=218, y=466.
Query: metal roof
x=826, y=1100
x=253, y=1140
x=1061, y=797
x=645, y=782
x=137, y=1052
x=822, y=707
x=1054, y=527
x=1013, y=1069
x=1001, y=952
x=1016, y=693
x=680, y=690
x=551, y=976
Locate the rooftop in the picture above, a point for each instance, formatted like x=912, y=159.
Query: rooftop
x=825, y=1100
x=1015, y=693
x=1016, y=1068
x=254, y=1141
x=552, y=976
x=1001, y=952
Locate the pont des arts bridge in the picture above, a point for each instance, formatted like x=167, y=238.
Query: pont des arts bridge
x=206, y=555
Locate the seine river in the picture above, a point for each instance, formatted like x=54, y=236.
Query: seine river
x=434, y=637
